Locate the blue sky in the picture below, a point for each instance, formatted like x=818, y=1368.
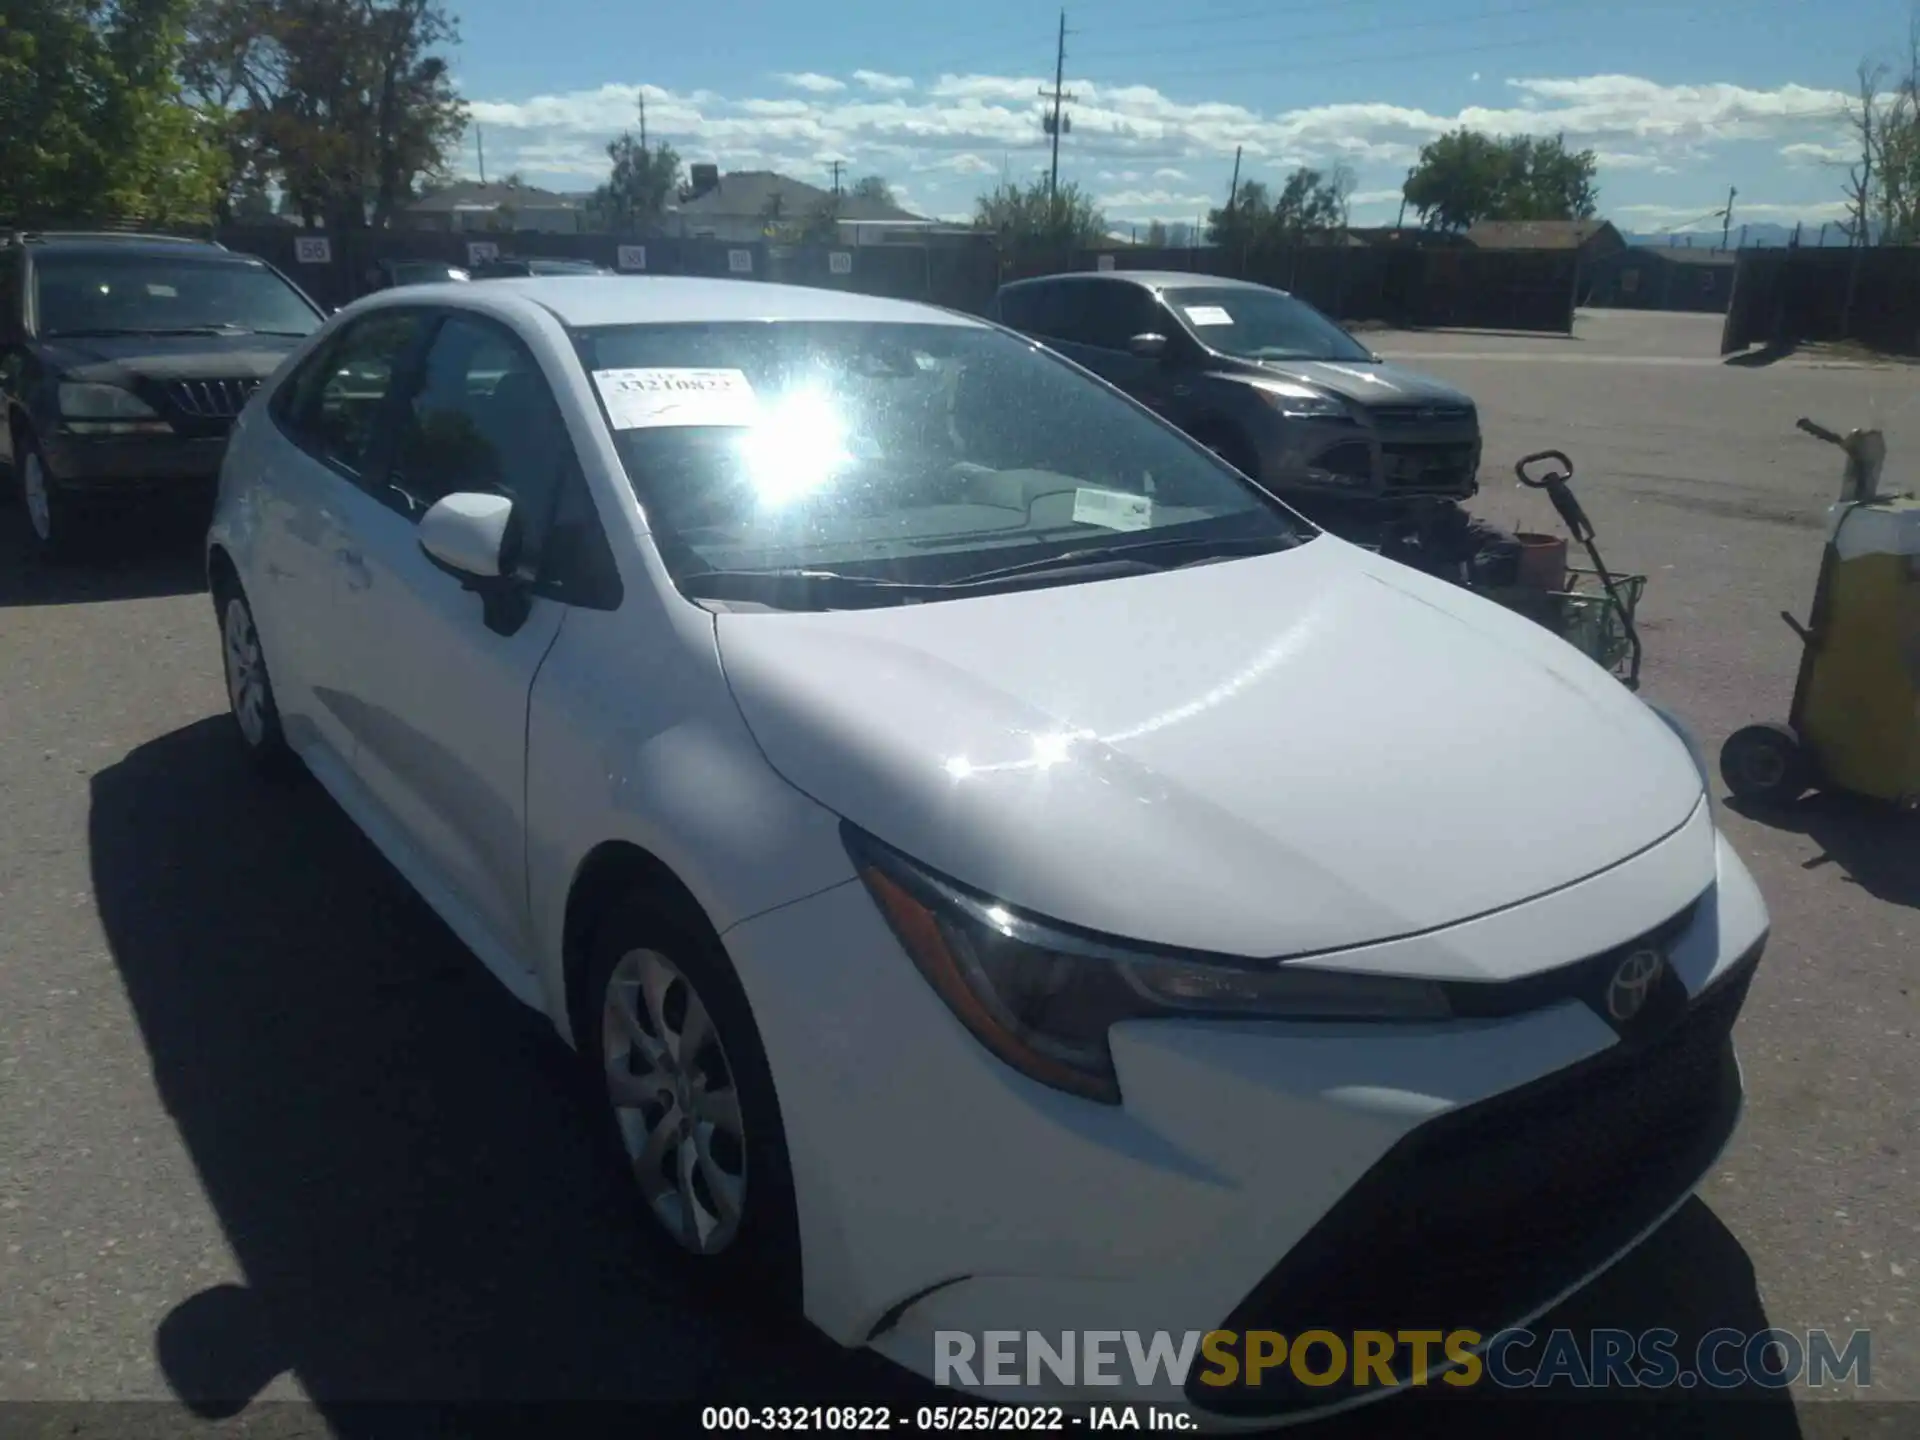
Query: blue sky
x=1681, y=101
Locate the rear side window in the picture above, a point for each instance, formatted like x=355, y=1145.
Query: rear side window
x=335, y=400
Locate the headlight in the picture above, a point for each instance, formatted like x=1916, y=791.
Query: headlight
x=1298, y=402
x=107, y=409
x=1043, y=997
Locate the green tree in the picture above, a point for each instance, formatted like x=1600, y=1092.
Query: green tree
x=346, y=104
x=1311, y=204
x=1029, y=217
x=1466, y=177
x=873, y=188
x=1883, y=185
x=92, y=124
x=636, y=193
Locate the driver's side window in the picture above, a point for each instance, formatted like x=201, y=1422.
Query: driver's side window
x=482, y=418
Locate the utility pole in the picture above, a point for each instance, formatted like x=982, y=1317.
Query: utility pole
x=1233, y=190
x=1823, y=233
x=1055, y=123
x=1726, y=217
x=836, y=177
x=643, y=123
x=480, y=149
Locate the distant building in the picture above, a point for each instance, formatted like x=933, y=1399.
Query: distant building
x=1662, y=277
x=1593, y=239
x=744, y=206
x=469, y=206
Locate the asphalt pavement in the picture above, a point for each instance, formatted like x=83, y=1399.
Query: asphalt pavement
x=268, y=1133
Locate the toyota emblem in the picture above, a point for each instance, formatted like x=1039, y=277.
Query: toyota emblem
x=1633, y=982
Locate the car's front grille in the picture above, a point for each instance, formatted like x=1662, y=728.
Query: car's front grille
x=1430, y=469
x=210, y=399
x=1478, y=1217
x=1397, y=416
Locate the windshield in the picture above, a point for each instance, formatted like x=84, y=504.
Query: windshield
x=95, y=294
x=920, y=455
x=1258, y=324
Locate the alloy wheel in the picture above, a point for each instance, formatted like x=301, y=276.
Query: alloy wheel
x=675, y=1101
x=33, y=485
x=246, y=675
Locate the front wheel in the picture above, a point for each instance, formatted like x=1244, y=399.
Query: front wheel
x=249, y=686
x=689, y=1106
x=1766, y=765
x=53, y=519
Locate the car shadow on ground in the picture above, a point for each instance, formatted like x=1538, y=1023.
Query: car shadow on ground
x=1875, y=845
x=399, y=1158
x=146, y=553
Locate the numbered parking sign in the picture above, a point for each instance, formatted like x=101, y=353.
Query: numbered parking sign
x=479, y=252
x=632, y=257
x=313, y=250
x=840, y=262
x=740, y=262
x=1106, y=262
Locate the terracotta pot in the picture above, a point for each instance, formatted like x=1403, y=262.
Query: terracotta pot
x=1543, y=561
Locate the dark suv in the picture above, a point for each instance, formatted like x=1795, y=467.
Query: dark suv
x=511, y=267
x=124, y=360
x=1263, y=379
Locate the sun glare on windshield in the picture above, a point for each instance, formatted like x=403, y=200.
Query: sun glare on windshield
x=796, y=447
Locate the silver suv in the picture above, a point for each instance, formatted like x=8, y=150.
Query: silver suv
x=1265, y=380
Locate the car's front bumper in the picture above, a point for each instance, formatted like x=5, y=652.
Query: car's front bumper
x=940, y=1191
x=1368, y=463
x=116, y=465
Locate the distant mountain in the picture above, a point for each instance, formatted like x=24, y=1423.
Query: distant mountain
x=1756, y=235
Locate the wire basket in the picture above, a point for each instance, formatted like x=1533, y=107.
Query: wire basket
x=1586, y=617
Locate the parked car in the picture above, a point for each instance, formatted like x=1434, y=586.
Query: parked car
x=999, y=867
x=386, y=274
x=508, y=267
x=1262, y=378
x=123, y=362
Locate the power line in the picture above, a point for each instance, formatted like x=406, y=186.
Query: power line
x=1345, y=33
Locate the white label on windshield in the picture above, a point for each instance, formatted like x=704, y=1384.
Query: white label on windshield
x=1208, y=315
x=650, y=399
x=1112, y=509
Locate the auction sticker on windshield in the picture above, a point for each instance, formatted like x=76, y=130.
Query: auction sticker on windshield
x=650, y=399
x=1112, y=509
x=1208, y=315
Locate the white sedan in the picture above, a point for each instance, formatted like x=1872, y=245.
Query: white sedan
x=1010, y=873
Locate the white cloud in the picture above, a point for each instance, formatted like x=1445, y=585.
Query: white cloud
x=1810, y=153
x=1475, y=77
x=1143, y=144
x=814, y=83
x=1374, y=197
x=1688, y=217
x=1154, y=205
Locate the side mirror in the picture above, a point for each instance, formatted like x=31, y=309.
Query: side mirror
x=466, y=534
x=1148, y=347
x=473, y=538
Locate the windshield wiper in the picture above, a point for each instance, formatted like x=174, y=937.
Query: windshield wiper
x=1135, y=552
x=96, y=332
x=814, y=584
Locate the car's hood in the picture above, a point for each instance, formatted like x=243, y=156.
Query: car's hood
x=1369, y=384
x=1306, y=751
x=117, y=359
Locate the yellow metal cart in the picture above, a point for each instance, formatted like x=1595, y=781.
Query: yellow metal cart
x=1854, y=725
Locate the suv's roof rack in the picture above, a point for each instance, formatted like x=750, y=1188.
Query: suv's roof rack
x=30, y=237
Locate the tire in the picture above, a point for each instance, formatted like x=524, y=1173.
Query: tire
x=250, y=702
x=649, y=965
x=55, y=522
x=1766, y=765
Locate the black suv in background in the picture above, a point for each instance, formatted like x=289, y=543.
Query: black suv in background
x=1266, y=381
x=124, y=360
x=513, y=267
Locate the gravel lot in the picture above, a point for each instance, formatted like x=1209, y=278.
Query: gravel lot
x=265, y=1129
